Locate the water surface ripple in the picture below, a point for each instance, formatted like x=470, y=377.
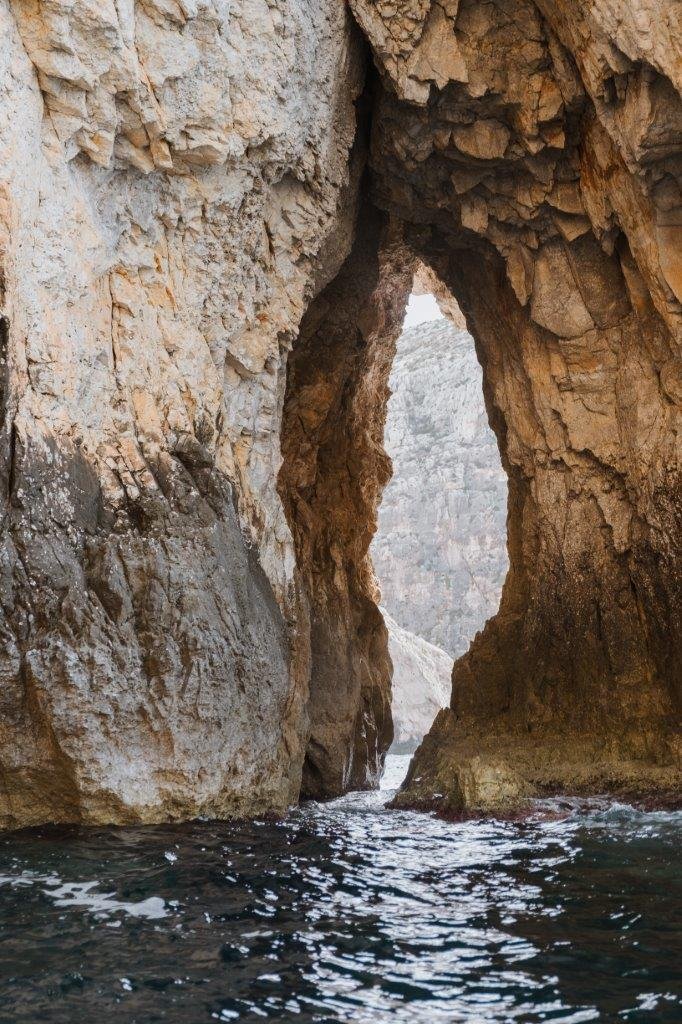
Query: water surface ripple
x=346, y=912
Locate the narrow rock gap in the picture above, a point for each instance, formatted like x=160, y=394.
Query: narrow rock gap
x=334, y=468
x=333, y=472
x=439, y=553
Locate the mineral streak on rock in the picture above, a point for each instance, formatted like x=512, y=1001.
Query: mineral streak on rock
x=186, y=619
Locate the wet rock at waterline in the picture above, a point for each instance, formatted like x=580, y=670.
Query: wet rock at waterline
x=459, y=774
x=201, y=283
x=444, y=779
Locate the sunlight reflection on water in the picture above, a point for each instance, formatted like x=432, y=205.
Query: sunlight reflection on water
x=346, y=912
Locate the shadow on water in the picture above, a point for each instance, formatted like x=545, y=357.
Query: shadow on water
x=345, y=912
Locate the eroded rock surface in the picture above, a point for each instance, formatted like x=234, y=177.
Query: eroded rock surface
x=536, y=150
x=334, y=467
x=177, y=182
x=440, y=548
x=185, y=620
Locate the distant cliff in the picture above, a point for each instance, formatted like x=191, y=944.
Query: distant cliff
x=421, y=685
x=439, y=553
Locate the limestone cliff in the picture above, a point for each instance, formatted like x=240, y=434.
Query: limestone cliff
x=210, y=213
x=440, y=548
x=177, y=183
x=535, y=148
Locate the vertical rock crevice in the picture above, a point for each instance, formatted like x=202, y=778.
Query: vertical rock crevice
x=334, y=468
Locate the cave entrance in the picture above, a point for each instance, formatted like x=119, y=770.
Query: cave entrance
x=545, y=681
x=439, y=552
x=334, y=471
x=525, y=197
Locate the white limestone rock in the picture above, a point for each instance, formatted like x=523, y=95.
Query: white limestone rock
x=421, y=684
x=175, y=185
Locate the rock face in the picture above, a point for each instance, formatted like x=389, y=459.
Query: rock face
x=332, y=473
x=535, y=148
x=440, y=548
x=177, y=182
x=190, y=191
x=421, y=685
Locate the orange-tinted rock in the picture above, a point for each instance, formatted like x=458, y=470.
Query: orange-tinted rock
x=557, y=235
x=186, y=619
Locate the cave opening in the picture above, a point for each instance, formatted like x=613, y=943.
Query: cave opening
x=514, y=195
x=334, y=471
x=574, y=660
x=439, y=552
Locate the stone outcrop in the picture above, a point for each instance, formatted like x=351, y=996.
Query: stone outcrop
x=187, y=620
x=178, y=181
x=541, y=180
x=440, y=547
x=421, y=684
x=334, y=467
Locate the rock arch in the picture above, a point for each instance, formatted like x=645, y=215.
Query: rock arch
x=201, y=285
x=533, y=162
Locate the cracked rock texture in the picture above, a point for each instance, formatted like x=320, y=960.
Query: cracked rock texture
x=535, y=150
x=334, y=468
x=188, y=616
x=440, y=548
x=176, y=184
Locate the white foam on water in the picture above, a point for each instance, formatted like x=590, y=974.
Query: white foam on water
x=87, y=895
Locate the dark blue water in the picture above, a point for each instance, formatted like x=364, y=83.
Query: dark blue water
x=346, y=912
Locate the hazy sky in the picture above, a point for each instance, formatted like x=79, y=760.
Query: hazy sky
x=421, y=309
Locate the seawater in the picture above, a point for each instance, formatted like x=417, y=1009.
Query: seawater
x=346, y=911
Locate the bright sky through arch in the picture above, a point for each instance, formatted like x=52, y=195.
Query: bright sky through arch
x=421, y=309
